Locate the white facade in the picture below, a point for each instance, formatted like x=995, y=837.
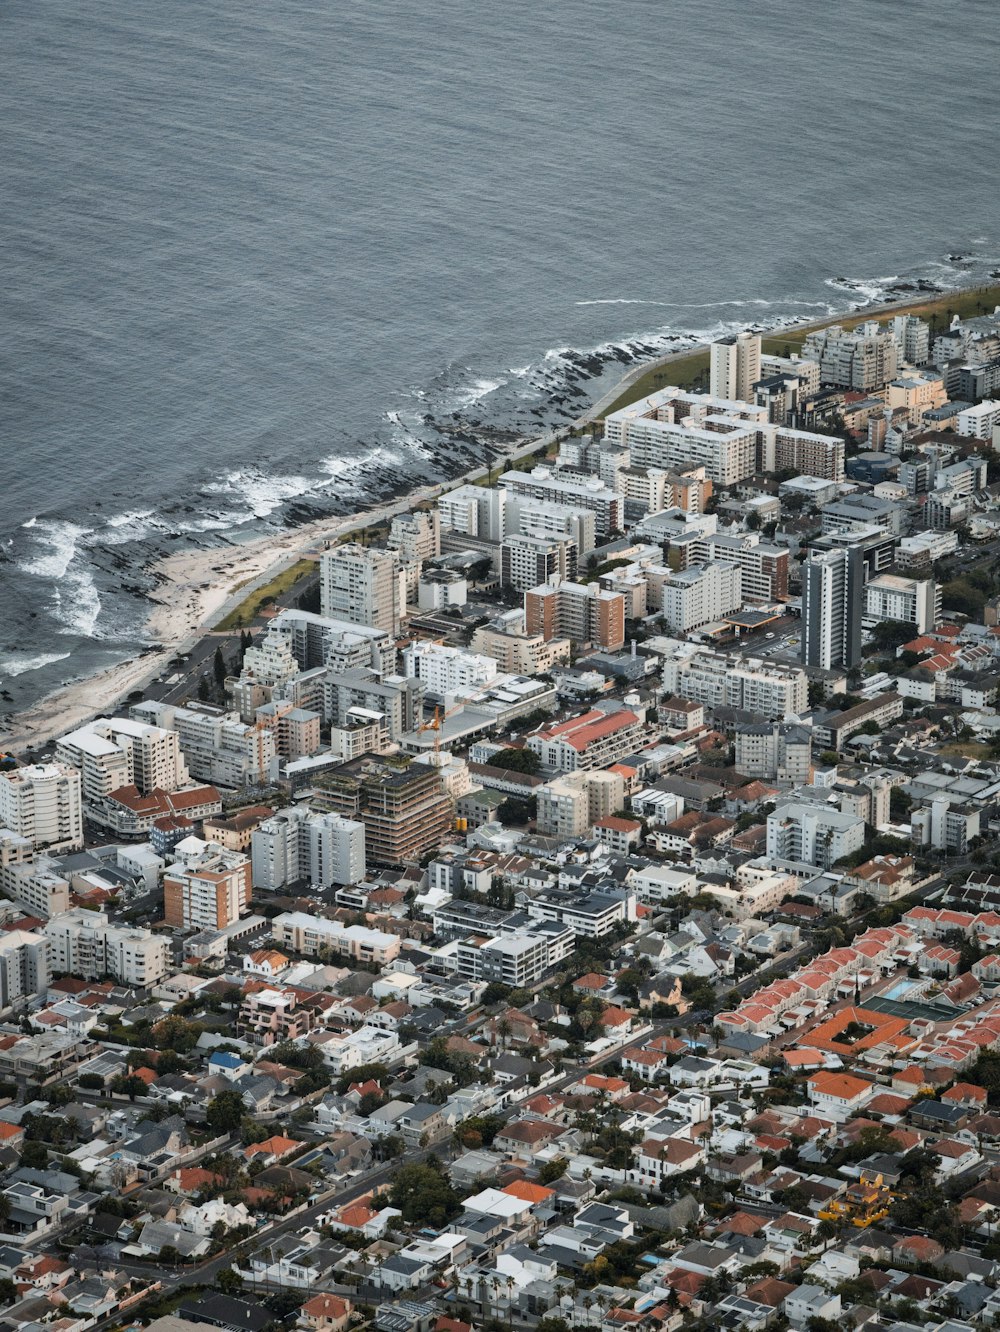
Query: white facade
x=474, y=510
x=85, y=944
x=673, y=430
x=911, y=600
x=444, y=670
x=734, y=366
x=979, y=421
x=720, y=681
x=298, y=844
x=535, y=518
x=42, y=802
x=812, y=833
x=777, y=752
x=363, y=586
x=24, y=966
x=217, y=747
x=542, y=483
x=114, y=752
x=699, y=595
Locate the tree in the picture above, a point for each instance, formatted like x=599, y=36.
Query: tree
x=552, y=1170
x=517, y=760
x=128, y=1085
x=424, y=1194
x=225, y=1112
x=229, y=1281
x=219, y=667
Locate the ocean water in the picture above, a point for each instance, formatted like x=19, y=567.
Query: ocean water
x=268, y=261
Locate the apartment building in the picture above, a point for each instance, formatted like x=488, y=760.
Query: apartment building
x=944, y=510
x=518, y=959
x=862, y=358
x=394, y=702
x=592, y=916
x=594, y=740
x=832, y=602
x=734, y=366
x=527, y=561
x=780, y=752
x=337, y=644
x=298, y=844
x=811, y=833
x=29, y=880
x=945, y=826
x=406, y=810
x=477, y=511
x=700, y=594
x=763, y=567
x=269, y=1016
x=416, y=534
x=553, y=487
x=673, y=430
x=296, y=731
x=719, y=681
x=111, y=752
x=979, y=421
x=525, y=516
x=581, y=612
x=569, y=806
x=313, y=936
x=518, y=653
x=912, y=600
x=923, y=548
x=916, y=395
x=86, y=944
x=217, y=747
x=800, y=451
x=444, y=670
x=854, y=513
x=362, y=585
x=207, y=890
x=42, y=803
x=24, y=966
x=912, y=337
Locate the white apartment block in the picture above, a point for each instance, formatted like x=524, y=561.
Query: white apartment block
x=444, y=670
x=673, y=430
x=86, y=944
x=811, y=833
x=926, y=547
x=911, y=600
x=779, y=752
x=700, y=595
x=861, y=358
x=554, y=487
x=311, y=935
x=734, y=366
x=475, y=510
x=517, y=959
x=394, y=703
x=763, y=567
x=362, y=585
x=711, y=678
x=298, y=844
x=416, y=534
x=217, y=746
x=24, y=966
x=554, y=522
x=42, y=803
x=945, y=826
x=114, y=752
x=570, y=805
x=526, y=561
x=978, y=421
x=912, y=337
x=339, y=645
x=792, y=367
x=801, y=451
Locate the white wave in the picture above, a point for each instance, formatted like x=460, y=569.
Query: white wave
x=348, y=472
x=20, y=663
x=259, y=491
x=59, y=542
x=707, y=305
x=32, y=522
x=482, y=388
x=77, y=603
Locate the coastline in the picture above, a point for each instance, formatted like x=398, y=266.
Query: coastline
x=198, y=588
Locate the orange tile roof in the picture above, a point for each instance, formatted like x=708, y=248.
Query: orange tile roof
x=528, y=1192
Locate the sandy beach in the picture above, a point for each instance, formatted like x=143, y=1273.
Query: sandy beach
x=198, y=588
